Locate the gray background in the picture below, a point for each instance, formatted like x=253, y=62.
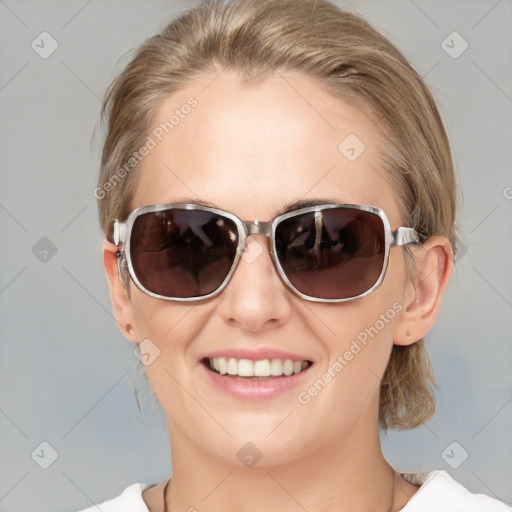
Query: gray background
x=67, y=376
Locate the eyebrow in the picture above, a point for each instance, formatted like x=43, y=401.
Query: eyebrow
x=288, y=207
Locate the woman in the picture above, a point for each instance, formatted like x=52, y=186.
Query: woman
x=278, y=199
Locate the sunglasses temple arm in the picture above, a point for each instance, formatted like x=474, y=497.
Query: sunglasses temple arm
x=404, y=236
x=116, y=233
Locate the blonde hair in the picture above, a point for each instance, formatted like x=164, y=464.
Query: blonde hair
x=344, y=54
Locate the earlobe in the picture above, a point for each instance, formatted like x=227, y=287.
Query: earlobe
x=424, y=293
x=120, y=301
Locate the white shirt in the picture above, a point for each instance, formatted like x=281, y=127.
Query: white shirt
x=439, y=492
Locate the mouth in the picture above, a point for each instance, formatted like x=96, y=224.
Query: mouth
x=260, y=370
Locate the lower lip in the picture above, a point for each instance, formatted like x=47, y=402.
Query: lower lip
x=256, y=390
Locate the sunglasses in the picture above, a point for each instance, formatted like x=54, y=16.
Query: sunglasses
x=324, y=253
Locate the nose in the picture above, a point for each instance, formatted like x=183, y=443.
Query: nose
x=255, y=299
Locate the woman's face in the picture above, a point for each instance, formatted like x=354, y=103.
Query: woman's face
x=250, y=149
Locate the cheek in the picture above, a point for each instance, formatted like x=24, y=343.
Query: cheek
x=358, y=337
x=165, y=330
x=363, y=336
x=346, y=387
x=160, y=320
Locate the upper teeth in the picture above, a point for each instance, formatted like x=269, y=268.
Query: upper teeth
x=262, y=368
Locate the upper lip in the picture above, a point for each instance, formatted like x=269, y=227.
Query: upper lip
x=256, y=354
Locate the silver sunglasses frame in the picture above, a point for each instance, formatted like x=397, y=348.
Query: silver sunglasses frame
x=121, y=235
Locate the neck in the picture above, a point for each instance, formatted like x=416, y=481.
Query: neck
x=351, y=474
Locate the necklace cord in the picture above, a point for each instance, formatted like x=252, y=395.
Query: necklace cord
x=166, y=509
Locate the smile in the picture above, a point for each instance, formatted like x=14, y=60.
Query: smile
x=254, y=379
x=262, y=369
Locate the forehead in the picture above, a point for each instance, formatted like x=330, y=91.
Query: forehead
x=252, y=148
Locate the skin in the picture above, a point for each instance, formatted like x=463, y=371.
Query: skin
x=250, y=149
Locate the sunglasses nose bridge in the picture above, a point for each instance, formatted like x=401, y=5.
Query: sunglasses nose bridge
x=255, y=227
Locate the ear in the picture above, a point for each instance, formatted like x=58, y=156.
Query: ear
x=424, y=293
x=120, y=300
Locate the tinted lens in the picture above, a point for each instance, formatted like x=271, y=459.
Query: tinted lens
x=182, y=253
x=335, y=253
